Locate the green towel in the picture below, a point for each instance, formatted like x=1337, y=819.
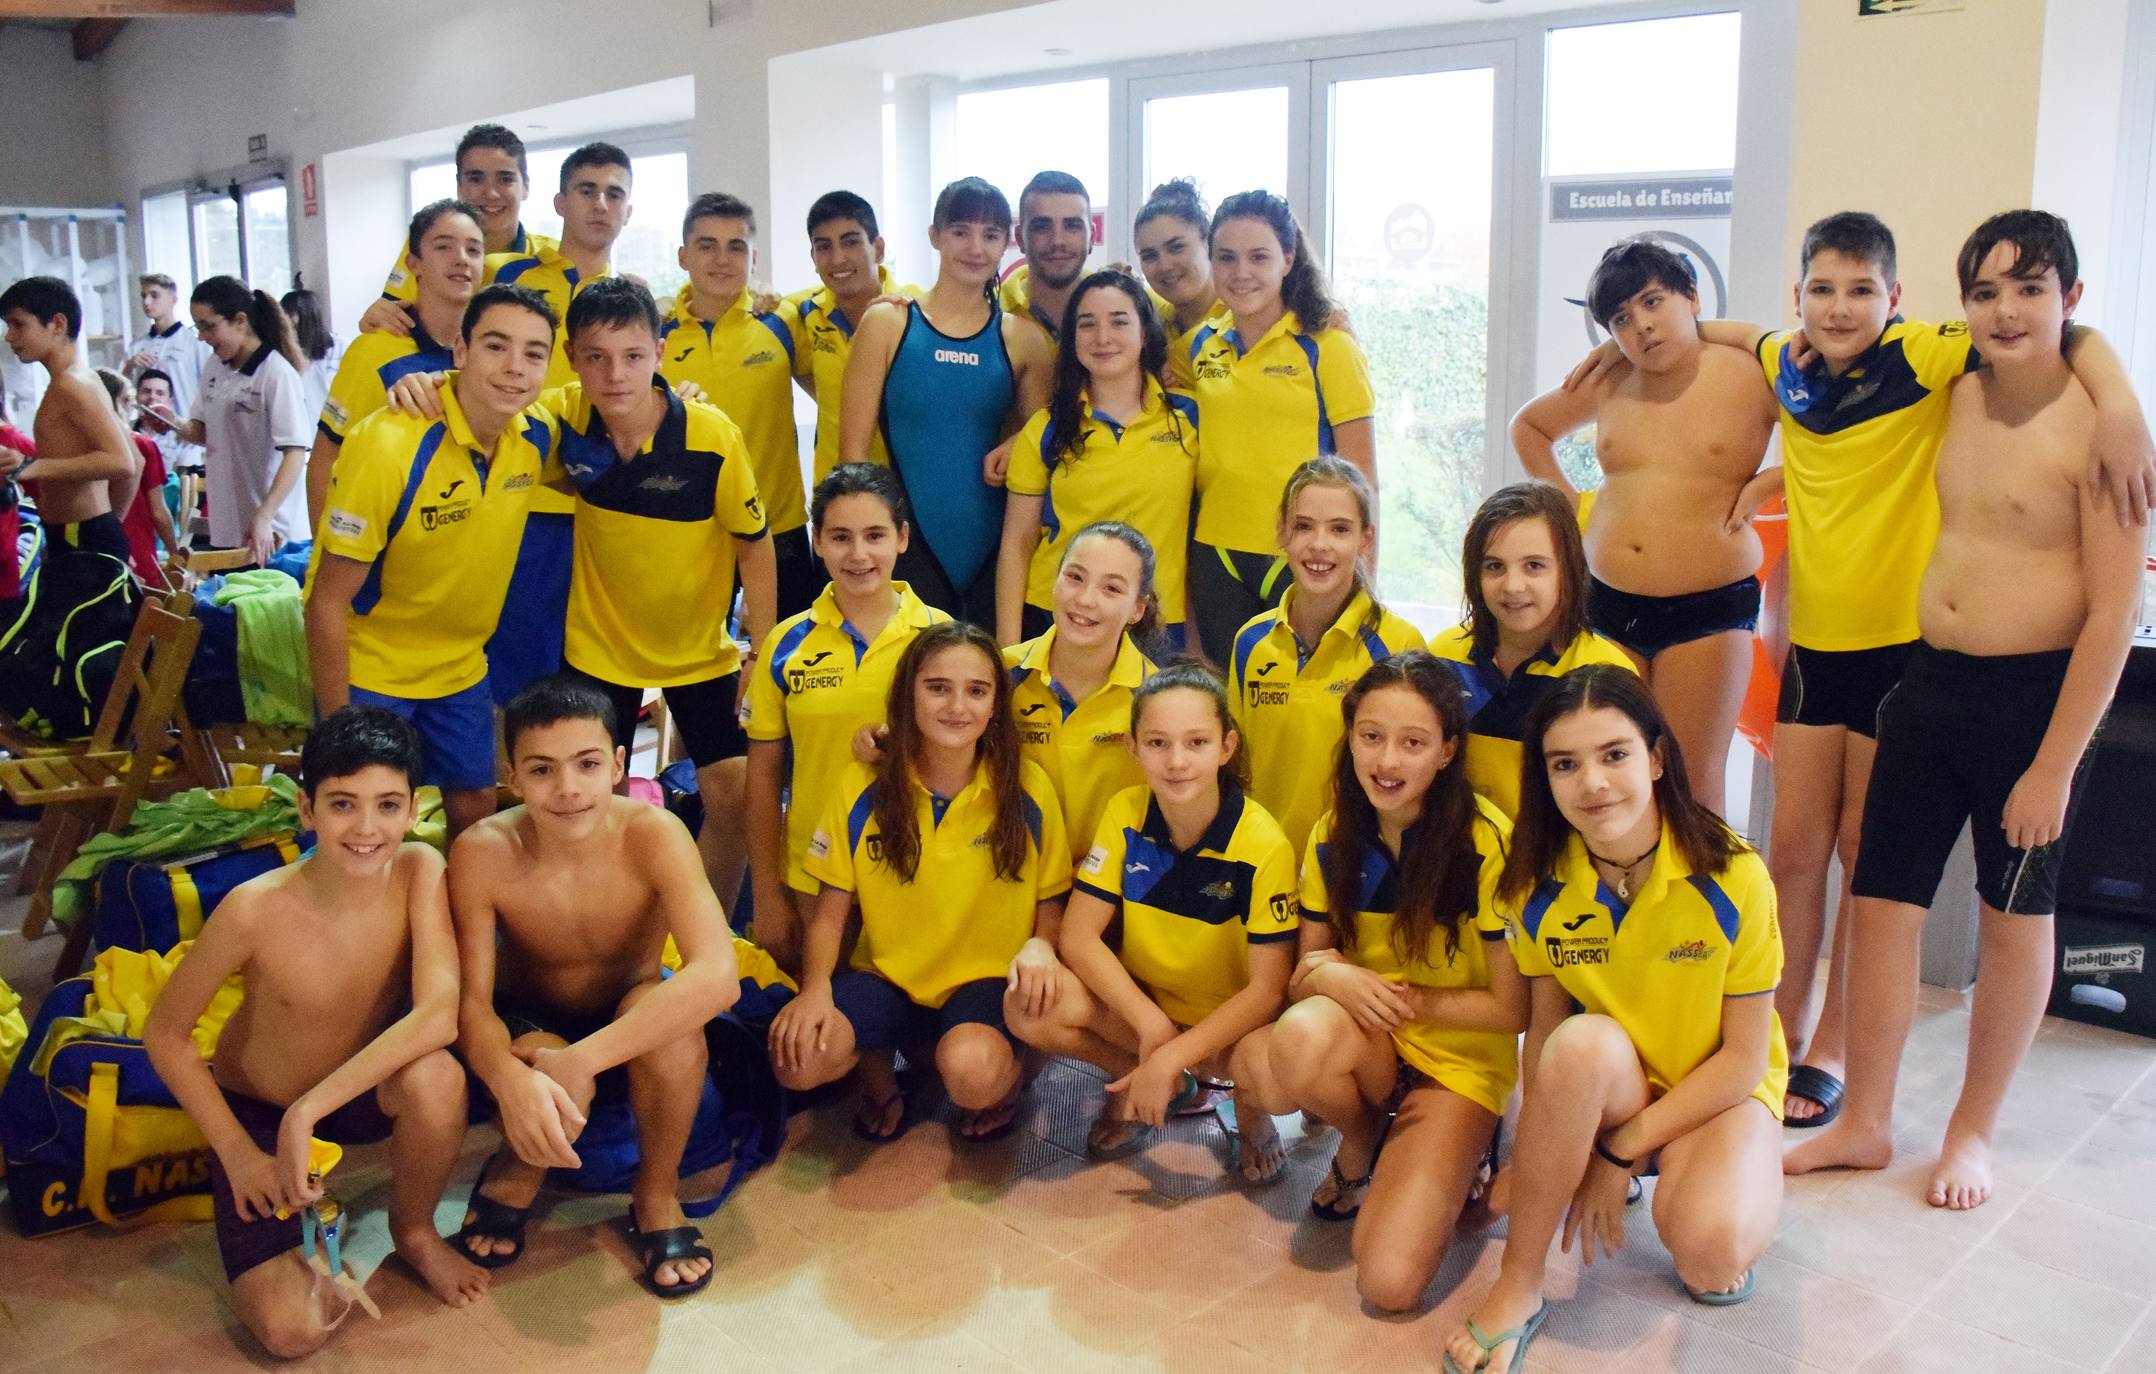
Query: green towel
x=275, y=683
x=187, y=823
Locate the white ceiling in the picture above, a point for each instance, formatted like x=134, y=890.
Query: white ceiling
x=672, y=101
x=1084, y=33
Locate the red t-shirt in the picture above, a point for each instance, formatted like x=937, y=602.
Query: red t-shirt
x=11, y=519
x=141, y=532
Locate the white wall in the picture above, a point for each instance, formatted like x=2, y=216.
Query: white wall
x=2078, y=111
x=183, y=96
x=52, y=148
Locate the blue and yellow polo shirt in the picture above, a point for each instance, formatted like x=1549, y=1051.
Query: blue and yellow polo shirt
x=823, y=341
x=654, y=542
x=816, y=683
x=1660, y=965
x=1268, y=405
x=1859, y=453
x=1140, y=473
x=399, y=285
x=1181, y=370
x=1083, y=746
x=745, y=364
x=1285, y=697
x=1497, y=705
x=440, y=520
x=1189, y=916
x=957, y=922
x=544, y=269
x=1479, y=1065
x=370, y=366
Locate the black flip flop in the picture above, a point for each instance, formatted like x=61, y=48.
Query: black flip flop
x=654, y=1248
x=868, y=1110
x=493, y=1220
x=1360, y=1187
x=1814, y=1085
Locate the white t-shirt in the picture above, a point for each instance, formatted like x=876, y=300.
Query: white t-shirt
x=318, y=376
x=179, y=353
x=248, y=414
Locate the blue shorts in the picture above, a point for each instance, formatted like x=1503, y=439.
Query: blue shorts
x=456, y=734
x=527, y=640
x=885, y=1018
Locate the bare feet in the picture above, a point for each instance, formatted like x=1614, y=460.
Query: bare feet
x=1259, y=1153
x=1963, y=1177
x=448, y=1275
x=1844, y=1145
x=1500, y=1310
x=663, y=1214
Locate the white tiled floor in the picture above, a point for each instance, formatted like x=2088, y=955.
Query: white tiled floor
x=925, y=1255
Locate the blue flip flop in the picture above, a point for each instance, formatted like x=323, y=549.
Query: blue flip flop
x=1524, y=1333
x=1746, y=1286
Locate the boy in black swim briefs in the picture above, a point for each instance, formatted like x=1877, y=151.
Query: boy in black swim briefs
x=1680, y=430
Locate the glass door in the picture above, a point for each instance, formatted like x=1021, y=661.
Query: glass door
x=1228, y=130
x=217, y=235
x=268, y=236
x=1408, y=156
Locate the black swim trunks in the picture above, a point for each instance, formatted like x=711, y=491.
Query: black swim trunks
x=526, y=1018
x=242, y=1245
x=101, y=533
x=1648, y=625
x=1839, y=687
x=1954, y=738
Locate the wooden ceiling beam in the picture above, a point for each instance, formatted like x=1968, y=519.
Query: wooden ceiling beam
x=138, y=9
x=93, y=36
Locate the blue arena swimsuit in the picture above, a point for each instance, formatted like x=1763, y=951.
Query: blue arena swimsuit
x=944, y=403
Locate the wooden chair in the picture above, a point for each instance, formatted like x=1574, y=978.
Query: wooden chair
x=98, y=788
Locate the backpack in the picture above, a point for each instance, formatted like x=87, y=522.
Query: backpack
x=62, y=639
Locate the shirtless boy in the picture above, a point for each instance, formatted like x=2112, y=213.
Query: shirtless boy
x=351, y=974
x=563, y=907
x=1670, y=547
x=80, y=444
x=2026, y=611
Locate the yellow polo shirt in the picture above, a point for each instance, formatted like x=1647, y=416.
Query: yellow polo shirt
x=544, y=269
x=823, y=341
x=1083, y=746
x=1661, y=965
x=816, y=683
x=1267, y=406
x=439, y=520
x=1479, y=1065
x=1285, y=697
x=1140, y=474
x=654, y=535
x=956, y=922
x=369, y=367
x=1190, y=916
x=1497, y=705
x=745, y=364
x=1859, y=452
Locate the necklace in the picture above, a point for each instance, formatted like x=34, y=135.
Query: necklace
x=1624, y=870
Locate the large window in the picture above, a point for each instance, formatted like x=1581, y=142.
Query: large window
x=1007, y=135
x=242, y=230
x=658, y=198
x=1226, y=141
x=165, y=240
x=1410, y=236
x=1677, y=127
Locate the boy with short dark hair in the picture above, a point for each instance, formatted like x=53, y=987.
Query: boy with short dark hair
x=445, y=254
x=848, y=253
x=1671, y=554
x=594, y=207
x=563, y=906
x=744, y=360
x=82, y=452
x=2027, y=610
x=414, y=554
x=350, y=968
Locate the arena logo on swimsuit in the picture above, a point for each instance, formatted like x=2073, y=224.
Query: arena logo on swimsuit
x=958, y=355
